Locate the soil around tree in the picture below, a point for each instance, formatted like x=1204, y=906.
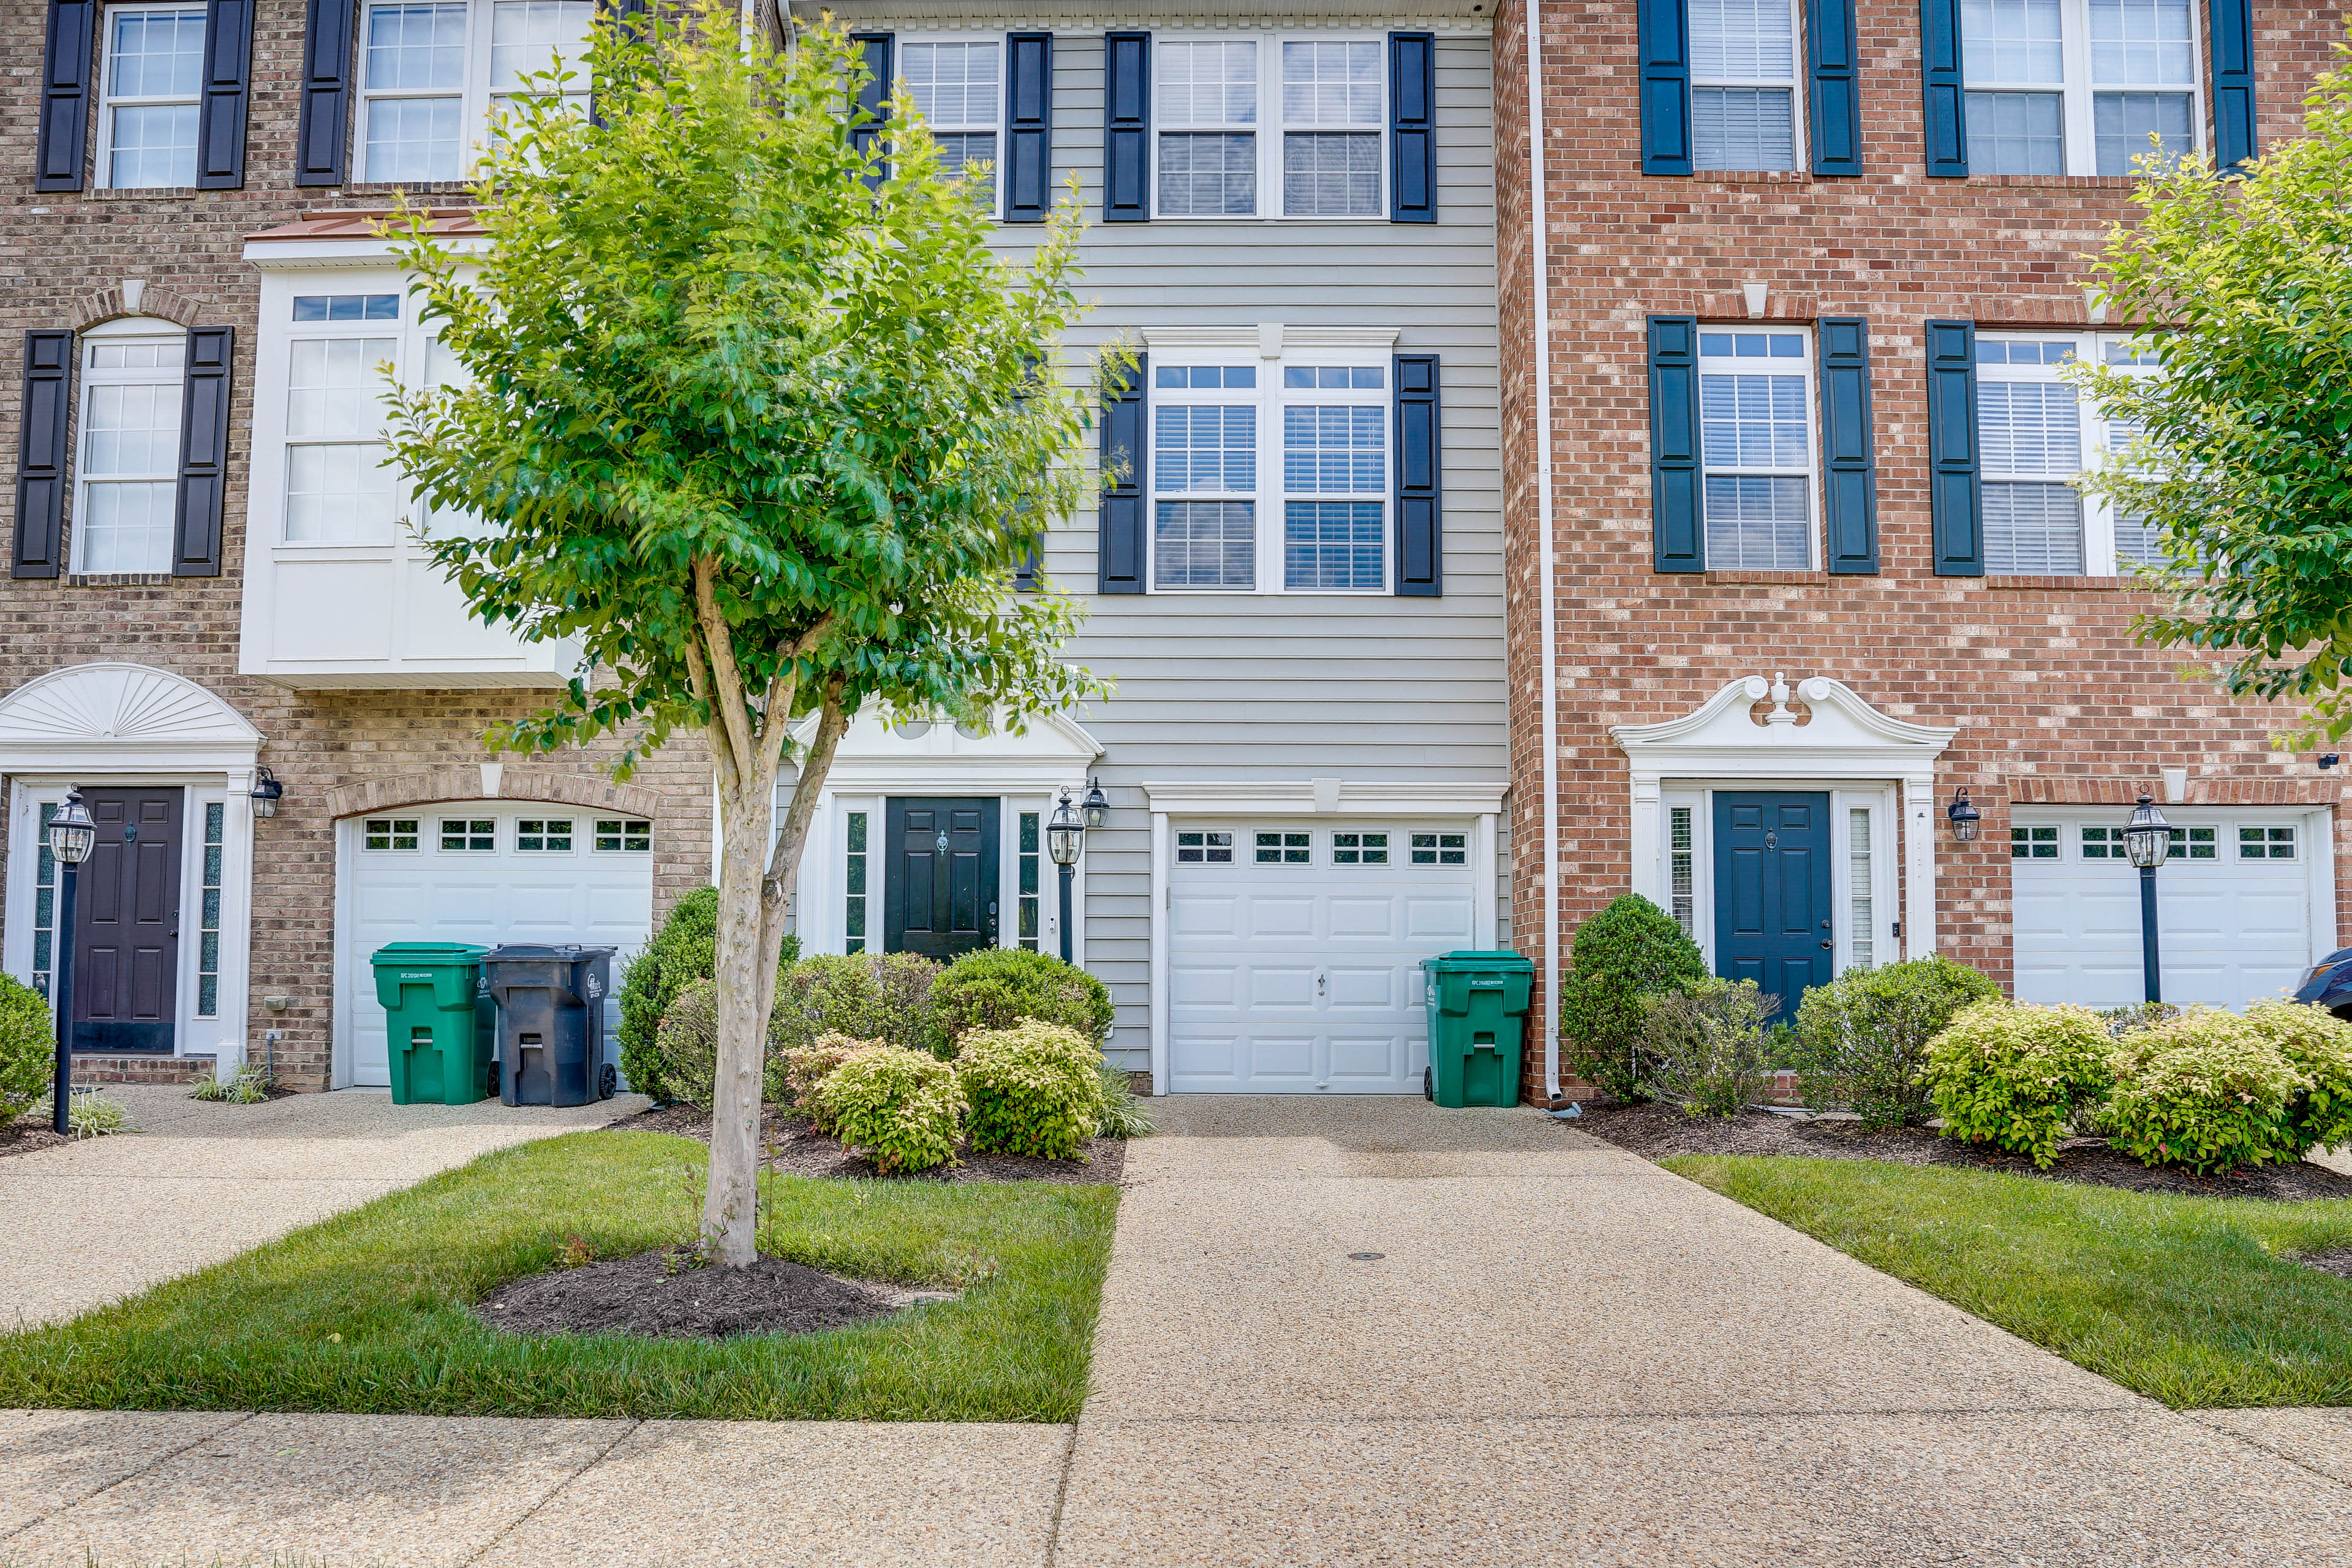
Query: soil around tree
x=2335, y=1260
x=791, y=1148
x=668, y=1294
x=26, y=1135
x=1662, y=1131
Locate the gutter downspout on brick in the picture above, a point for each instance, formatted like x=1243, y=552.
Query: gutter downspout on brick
x=1540, y=265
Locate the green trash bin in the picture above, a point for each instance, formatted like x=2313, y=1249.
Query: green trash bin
x=440, y=1028
x=1477, y=1003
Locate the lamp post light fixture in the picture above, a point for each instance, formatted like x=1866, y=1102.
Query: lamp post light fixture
x=1096, y=805
x=1964, y=817
x=73, y=835
x=1065, y=839
x=267, y=792
x=2148, y=839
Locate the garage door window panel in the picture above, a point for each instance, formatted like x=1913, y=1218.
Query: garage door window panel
x=1359, y=849
x=623, y=836
x=2265, y=843
x=1441, y=848
x=390, y=834
x=469, y=834
x=1285, y=849
x=1206, y=848
x=543, y=836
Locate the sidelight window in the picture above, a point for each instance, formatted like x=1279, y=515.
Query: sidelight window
x=854, y=874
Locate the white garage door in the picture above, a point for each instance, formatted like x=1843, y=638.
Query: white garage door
x=485, y=873
x=1294, y=954
x=2235, y=907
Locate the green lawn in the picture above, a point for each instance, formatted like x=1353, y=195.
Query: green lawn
x=2193, y=1301
x=393, y=1280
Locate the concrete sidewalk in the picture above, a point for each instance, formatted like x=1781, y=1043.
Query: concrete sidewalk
x=199, y=1181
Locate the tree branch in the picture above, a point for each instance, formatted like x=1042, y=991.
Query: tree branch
x=727, y=679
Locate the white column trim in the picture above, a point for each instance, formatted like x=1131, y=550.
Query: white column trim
x=1161, y=856
x=1918, y=865
x=1648, y=835
x=1486, y=850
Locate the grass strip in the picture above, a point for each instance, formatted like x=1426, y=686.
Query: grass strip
x=367, y=1311
x=2193, y=1301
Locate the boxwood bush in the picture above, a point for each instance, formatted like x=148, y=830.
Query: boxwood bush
x=1034, y=1088
x=28, y=1047
x=2318, y=1045
x=1862, y=1040
x=1630, y=950
x=995, y=988
x=683, y=952
x=900, y=1108
x=2017, y=1076
x=2206, y=1091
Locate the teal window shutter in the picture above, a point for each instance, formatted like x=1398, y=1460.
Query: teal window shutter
x=1028, y=127
x=1956, y=501
x=2233, y=83
x=1126, y=129
x=1677, y=542
x=1836, y=93
x=1412, y=128
x=1118, y=567
x=1663, y=30
x=873, y=105
x=1419, y=465
x=1849, y=470
x=1942, y=84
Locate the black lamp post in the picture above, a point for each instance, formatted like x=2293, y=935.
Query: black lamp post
x=73, y=835
x=1066, y=838
x=2148, y=839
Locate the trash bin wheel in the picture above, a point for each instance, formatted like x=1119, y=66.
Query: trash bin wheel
x=491, y=1089
x=608, y=1082
x=1429, y=1083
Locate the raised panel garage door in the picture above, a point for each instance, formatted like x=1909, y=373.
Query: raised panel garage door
x=1300, y=973
x=2235, y=906
x=486, y=873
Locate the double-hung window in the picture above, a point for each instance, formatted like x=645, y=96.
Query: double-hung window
x=129, y=473
x=1207, y=110
x=1326, y=100
x=433, y=73
x=1331, y=129
x=338, y=487
x=1335, y=478
x=1204, y=476
x=2037, y=435
x=959, y=86
x=1743, y=84
x=1756, y=443
x=147, y=121
x=2077, y=87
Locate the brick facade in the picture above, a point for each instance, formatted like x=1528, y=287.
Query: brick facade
x=64, y=262
x=2054, y=699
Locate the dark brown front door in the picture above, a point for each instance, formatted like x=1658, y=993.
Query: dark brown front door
x=127, y=928
x=942, y=895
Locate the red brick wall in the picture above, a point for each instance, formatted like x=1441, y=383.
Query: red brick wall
x=2045, y=681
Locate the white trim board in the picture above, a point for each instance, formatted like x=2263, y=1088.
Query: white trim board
x=1322, y=797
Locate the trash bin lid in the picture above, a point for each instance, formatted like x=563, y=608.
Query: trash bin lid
x=1472, y=958
x=541, y=953
x=407, y=953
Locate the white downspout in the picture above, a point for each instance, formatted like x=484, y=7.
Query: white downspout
x=1549, y=654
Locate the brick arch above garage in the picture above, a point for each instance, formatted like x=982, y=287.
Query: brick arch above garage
x=492, y=781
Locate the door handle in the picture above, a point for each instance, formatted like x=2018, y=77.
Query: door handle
x=1827, y=942
x=1319, y=978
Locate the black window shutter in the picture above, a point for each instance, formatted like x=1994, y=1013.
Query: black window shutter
x=873, y=95
x=41, y=453
x=1849, y=471
x=1028, y=162
x=1412, y=128
x=1663, y=26
x=612, y=11
x=2233, y=83
x=1677, y=543
x=1419, y=475
x=203, y=453
x=325, y=130
x=1119, y=569
x=1942, y=85
x=66, y=68
x=1126, y=129
x=1836, y=93
x=1955, y=503
x=220, y=114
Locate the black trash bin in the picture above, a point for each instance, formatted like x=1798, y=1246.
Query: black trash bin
x=551, y=1004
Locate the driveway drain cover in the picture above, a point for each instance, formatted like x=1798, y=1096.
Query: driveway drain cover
x=1366, y=1257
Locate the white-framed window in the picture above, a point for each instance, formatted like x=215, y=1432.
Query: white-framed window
x=1440, y=850
x=1276, y=848
x=1271, y=477
x=1359, y=849
x=2035, y=436
x=469, y=834
x=1207, y=846
x=390, y=834
x=543, y=836
x=1756, y=447
x=854, y=873
x=1743, y=91
x=215, y=849
x=959, y=85
x=149, y=84
x=2078, y=87
x=2265, y=843
x=1326, y=100
x=623, y=836
x=1861, y=889
x=433, y=73
x=338, y=487
x=1026, y=887
x=127, y=481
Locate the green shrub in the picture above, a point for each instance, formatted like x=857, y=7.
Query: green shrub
x=883, y=996
x=1123, y=1114
x=2318, y=1045
x=809, y=1066
x=89, y=1114
x=2017, y=1076
x=1033, y=1090
x=1863, y=1038
x=28, y=1047
x=685, y=1058
x=898, y=1107
x=1629, y=951
x=995, y=988
x=2206, y=1091
x=683, y=951
x=250, y=1086
x=2122, y=1021
x=1703, y=1047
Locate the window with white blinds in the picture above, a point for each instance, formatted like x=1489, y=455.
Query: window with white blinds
x=1756, y=445
x=959, y=86
x=1331, y=129
x=2037, y=435
x=1323, y=101
x=1743, y=93
x=2078, y=87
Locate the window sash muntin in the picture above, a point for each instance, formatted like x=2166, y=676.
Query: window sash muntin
x=159, y=480
x=2078, y=89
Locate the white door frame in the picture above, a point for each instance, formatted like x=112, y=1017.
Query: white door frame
x=1877, y=798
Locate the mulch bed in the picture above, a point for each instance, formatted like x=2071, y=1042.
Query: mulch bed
x=27, y=1136
x=793, y=1150
x=665, y=1294
x=1660, y=1131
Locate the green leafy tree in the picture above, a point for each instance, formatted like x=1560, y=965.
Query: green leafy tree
x=2244, y=465
x=763, y=423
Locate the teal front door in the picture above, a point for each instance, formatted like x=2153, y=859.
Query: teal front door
x=1772, y=892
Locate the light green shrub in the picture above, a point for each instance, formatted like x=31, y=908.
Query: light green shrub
x=1123, y=1113
x=2206, y=1091
x=995, y=988
x=1703, y=1048
x=2017, y=1076
x=249, y=1086
x=883, y=996
x=1863, y=1038
x=89, y=1114
x=1034, y=1088
x=807, y=1068
x=900, y=1108
x=28, y=1047
x=1629, y=951
x=2318, y=1045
